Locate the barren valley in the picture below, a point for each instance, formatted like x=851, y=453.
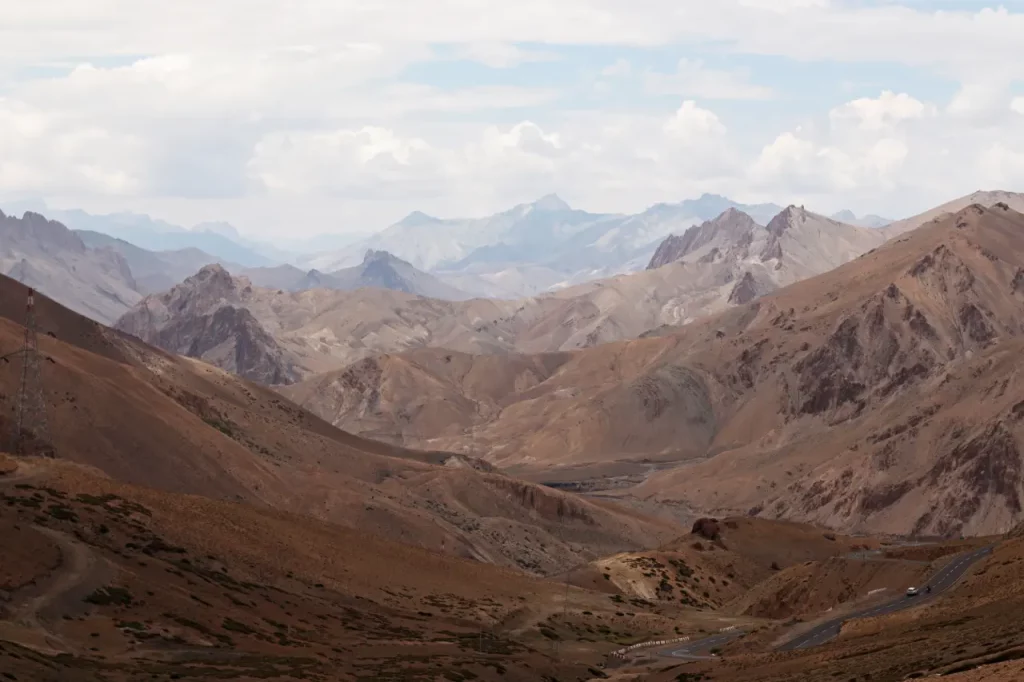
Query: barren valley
x=743, y=496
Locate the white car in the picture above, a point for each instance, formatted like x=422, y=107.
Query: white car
x=912, y=592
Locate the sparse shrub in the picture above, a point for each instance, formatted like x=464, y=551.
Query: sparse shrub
x=106, y=596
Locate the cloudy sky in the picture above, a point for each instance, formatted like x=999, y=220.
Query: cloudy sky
x=344, y=115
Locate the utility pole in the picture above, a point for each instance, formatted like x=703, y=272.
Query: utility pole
x=30, y=406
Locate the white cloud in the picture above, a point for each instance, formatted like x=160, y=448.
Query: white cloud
x=366, y=162
x=45, y=151
x=316, y=102
x=504, y=55
x=693, y=79
x=805, y=29
x=887, y=111
x=691, y=124
x=981, y=101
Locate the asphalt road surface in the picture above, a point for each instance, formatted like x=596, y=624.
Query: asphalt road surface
x=701, y=649
x=940, y=582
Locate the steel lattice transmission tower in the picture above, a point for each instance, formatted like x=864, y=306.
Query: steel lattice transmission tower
x=30, y=417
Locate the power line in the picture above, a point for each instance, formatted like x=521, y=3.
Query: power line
x=31, y=426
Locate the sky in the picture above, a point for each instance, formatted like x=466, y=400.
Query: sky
x=318, y=116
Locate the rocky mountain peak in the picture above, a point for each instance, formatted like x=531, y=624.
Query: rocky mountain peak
x=416, y=219
x=211, y=283
x=376, y=256
x=731, y=230
x=213, y=274
x=786, y=219
x=551, y=202
x=48, y=234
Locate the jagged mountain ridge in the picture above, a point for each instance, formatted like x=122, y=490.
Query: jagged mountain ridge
x=152, y=271
x=556, y=245
x=379, y=269
x=44, y=254
x=882, y=395
x=323, y=331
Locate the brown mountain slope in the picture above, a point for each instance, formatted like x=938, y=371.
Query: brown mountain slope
x=143, y=416
x=110, y=581
x=1014, y=200
x=292, y=335
x=721, y=560
x=969, y=634
x=882, y=395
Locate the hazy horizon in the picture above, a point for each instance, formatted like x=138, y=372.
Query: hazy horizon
x=342, y=118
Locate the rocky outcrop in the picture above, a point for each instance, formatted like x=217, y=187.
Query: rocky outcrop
x=205, y=317
x=728, y=235
x=49, y=257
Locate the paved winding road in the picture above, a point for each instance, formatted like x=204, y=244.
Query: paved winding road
x=940, y=582
x=701, y=649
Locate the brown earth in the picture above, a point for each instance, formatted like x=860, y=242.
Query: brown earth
x=143, y=416
x=969, y=634
x=882, y=396
x=150, y=584
x=709, y=573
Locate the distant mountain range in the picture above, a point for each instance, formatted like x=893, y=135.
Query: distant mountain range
x=535, y=247
x=47, y=256
x=850, y=218
x=527, y=250
x=219, y=239
x=379, y=269
x=102, y=276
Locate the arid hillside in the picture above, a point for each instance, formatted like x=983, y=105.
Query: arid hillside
x=720, y=561
x=988, y=199
x=969, y=634
x=145, y=417
x=883, y=395
x=109, y=581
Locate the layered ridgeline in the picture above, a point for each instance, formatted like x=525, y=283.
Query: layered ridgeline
x=46, y=255
x=103, y=277
x=535, y=247
x=727, y=261
x=146, y=417
x=880, y=395
x=378, y=270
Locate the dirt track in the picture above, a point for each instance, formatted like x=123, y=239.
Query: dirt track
x=34, y=609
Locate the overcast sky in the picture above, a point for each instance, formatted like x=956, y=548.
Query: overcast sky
x=341, y=115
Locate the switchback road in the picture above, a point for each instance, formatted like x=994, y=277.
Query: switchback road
x=940, y=582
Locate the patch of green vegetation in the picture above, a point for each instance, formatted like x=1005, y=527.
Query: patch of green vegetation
x=61, y=512
x=130, y=625
x=158, y=545
x=223, y=427
x=199, y=627
x=235, y=626
x=107, y=596
x=98, y=500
